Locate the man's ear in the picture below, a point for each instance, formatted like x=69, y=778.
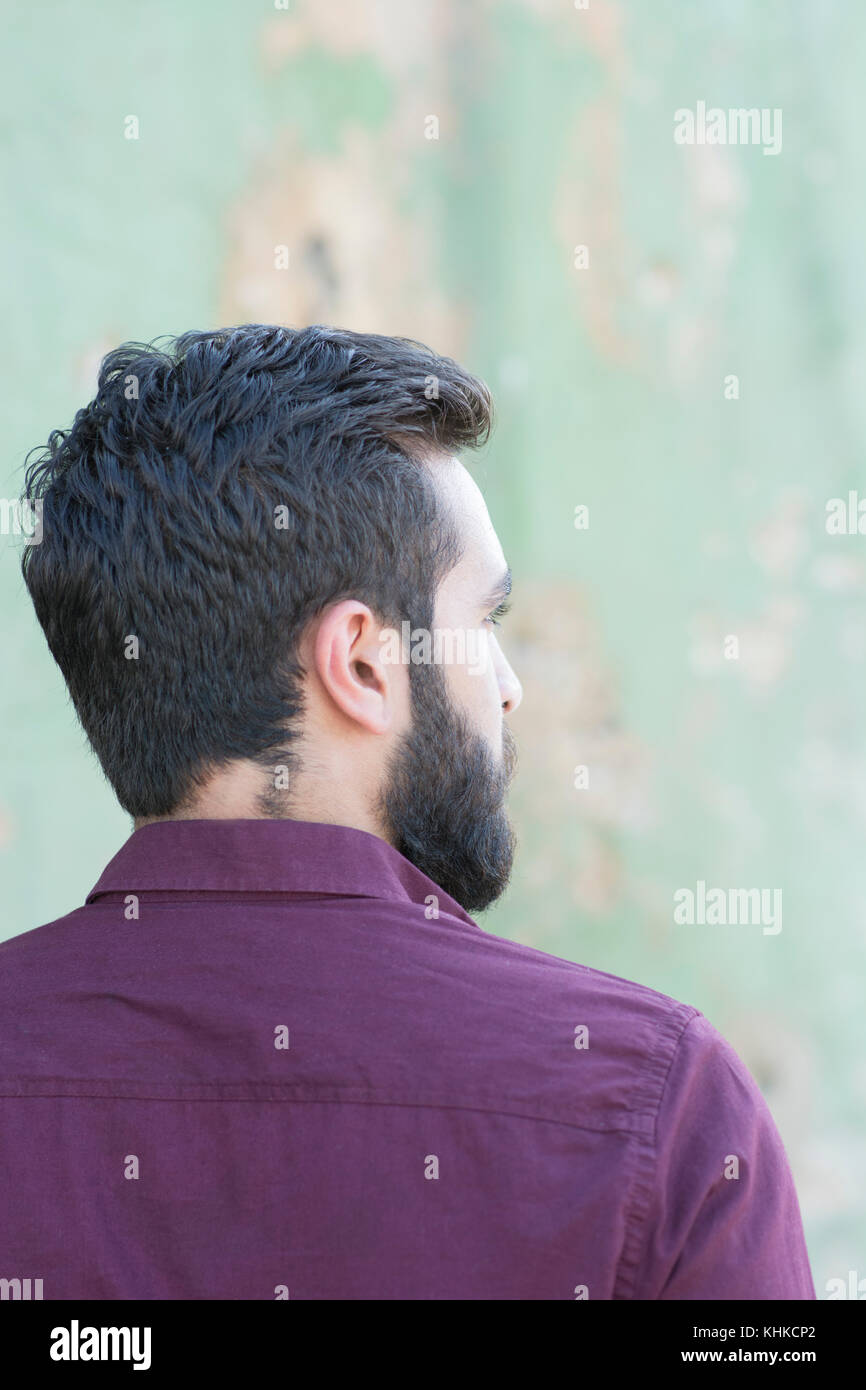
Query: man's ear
x=350, y=657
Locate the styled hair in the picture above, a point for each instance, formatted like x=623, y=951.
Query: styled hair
x=218, y=492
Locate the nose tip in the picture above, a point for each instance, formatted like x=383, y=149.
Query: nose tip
x=510, y=689
x=513, y=694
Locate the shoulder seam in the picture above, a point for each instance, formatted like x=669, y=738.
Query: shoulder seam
x=641, y=1190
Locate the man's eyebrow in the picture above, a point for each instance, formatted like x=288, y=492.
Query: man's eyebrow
x=500, y=591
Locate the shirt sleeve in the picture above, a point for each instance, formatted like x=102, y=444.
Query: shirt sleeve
x=723, y=1220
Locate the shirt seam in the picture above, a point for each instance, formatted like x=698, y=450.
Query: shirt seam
x=635, y=1122
x=641, y=1189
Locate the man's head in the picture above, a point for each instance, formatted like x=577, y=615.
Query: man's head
x=232, y=533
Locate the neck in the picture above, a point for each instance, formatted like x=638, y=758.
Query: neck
x=243, y=791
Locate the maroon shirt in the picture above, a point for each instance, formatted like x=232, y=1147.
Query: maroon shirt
x=257, y=1064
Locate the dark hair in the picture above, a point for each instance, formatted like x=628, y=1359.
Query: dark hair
x=215, y=495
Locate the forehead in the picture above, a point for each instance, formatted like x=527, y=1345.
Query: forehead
x=483, y=561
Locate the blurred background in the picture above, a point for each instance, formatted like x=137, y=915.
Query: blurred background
x=674, y=336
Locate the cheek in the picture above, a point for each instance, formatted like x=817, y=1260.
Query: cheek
x=477, y=691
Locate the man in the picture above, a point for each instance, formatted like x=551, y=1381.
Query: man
x=273, y=1056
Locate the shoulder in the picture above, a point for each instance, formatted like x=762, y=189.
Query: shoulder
x=598, y=1046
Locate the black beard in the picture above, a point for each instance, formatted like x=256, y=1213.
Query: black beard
x=444, y=797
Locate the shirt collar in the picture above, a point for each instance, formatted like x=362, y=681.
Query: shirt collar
x=267, y=856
